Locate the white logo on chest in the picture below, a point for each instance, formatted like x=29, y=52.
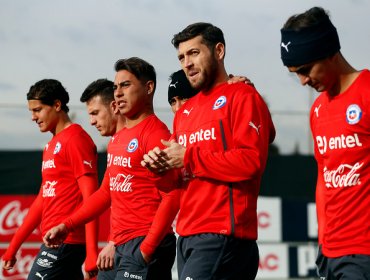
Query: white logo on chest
x=340, y=142
x=317, y=110
x=344, y=176
x=120, y=183
x=48, y=189
x=187, y=112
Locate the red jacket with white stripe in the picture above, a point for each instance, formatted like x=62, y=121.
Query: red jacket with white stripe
x=227, y=132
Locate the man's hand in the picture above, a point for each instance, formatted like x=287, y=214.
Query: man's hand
x=236, y=79
x=91, y=274
x=106, y=257
x=155, y=160
x=8, y=264
x=55, y=236
x=175, y=153
x=158, y=160
x=146, y=257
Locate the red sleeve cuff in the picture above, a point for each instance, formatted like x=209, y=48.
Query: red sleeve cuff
x=147, y=249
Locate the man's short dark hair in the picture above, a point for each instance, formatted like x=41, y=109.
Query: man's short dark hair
x=48, y=91
x=309, y=18
x=211, y=35
x=141, y=69
x=100, y=87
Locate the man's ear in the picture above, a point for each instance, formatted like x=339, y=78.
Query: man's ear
x=220, y=51
x=150, y=87
x=114, y=107
x=57, y=105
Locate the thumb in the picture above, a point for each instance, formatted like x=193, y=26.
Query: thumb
x=167, y=143
x=48, y=236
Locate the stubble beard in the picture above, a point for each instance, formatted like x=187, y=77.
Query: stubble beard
x=206, y=79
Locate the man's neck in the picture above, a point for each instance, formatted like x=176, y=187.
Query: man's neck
x=221, y=77
x=346, y=76
x=63, y=123
x=135, y=120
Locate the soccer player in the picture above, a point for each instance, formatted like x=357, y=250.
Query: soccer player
x=104, y=115
x=143, y=205
x=101, y=107
x=221, y=139
x=340, y=127
x=69, y=176
x=179, y=90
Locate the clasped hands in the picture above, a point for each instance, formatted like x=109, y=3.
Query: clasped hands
x=158, y=160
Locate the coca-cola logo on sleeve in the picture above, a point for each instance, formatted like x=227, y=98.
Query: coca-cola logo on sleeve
x=13, y=210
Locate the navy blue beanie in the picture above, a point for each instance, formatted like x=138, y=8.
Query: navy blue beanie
x=309, y=44
x=180, y=86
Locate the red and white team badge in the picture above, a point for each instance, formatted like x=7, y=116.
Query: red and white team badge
x=220, y=102
x=353, y=114
x=132, y=146
x=58, y=146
